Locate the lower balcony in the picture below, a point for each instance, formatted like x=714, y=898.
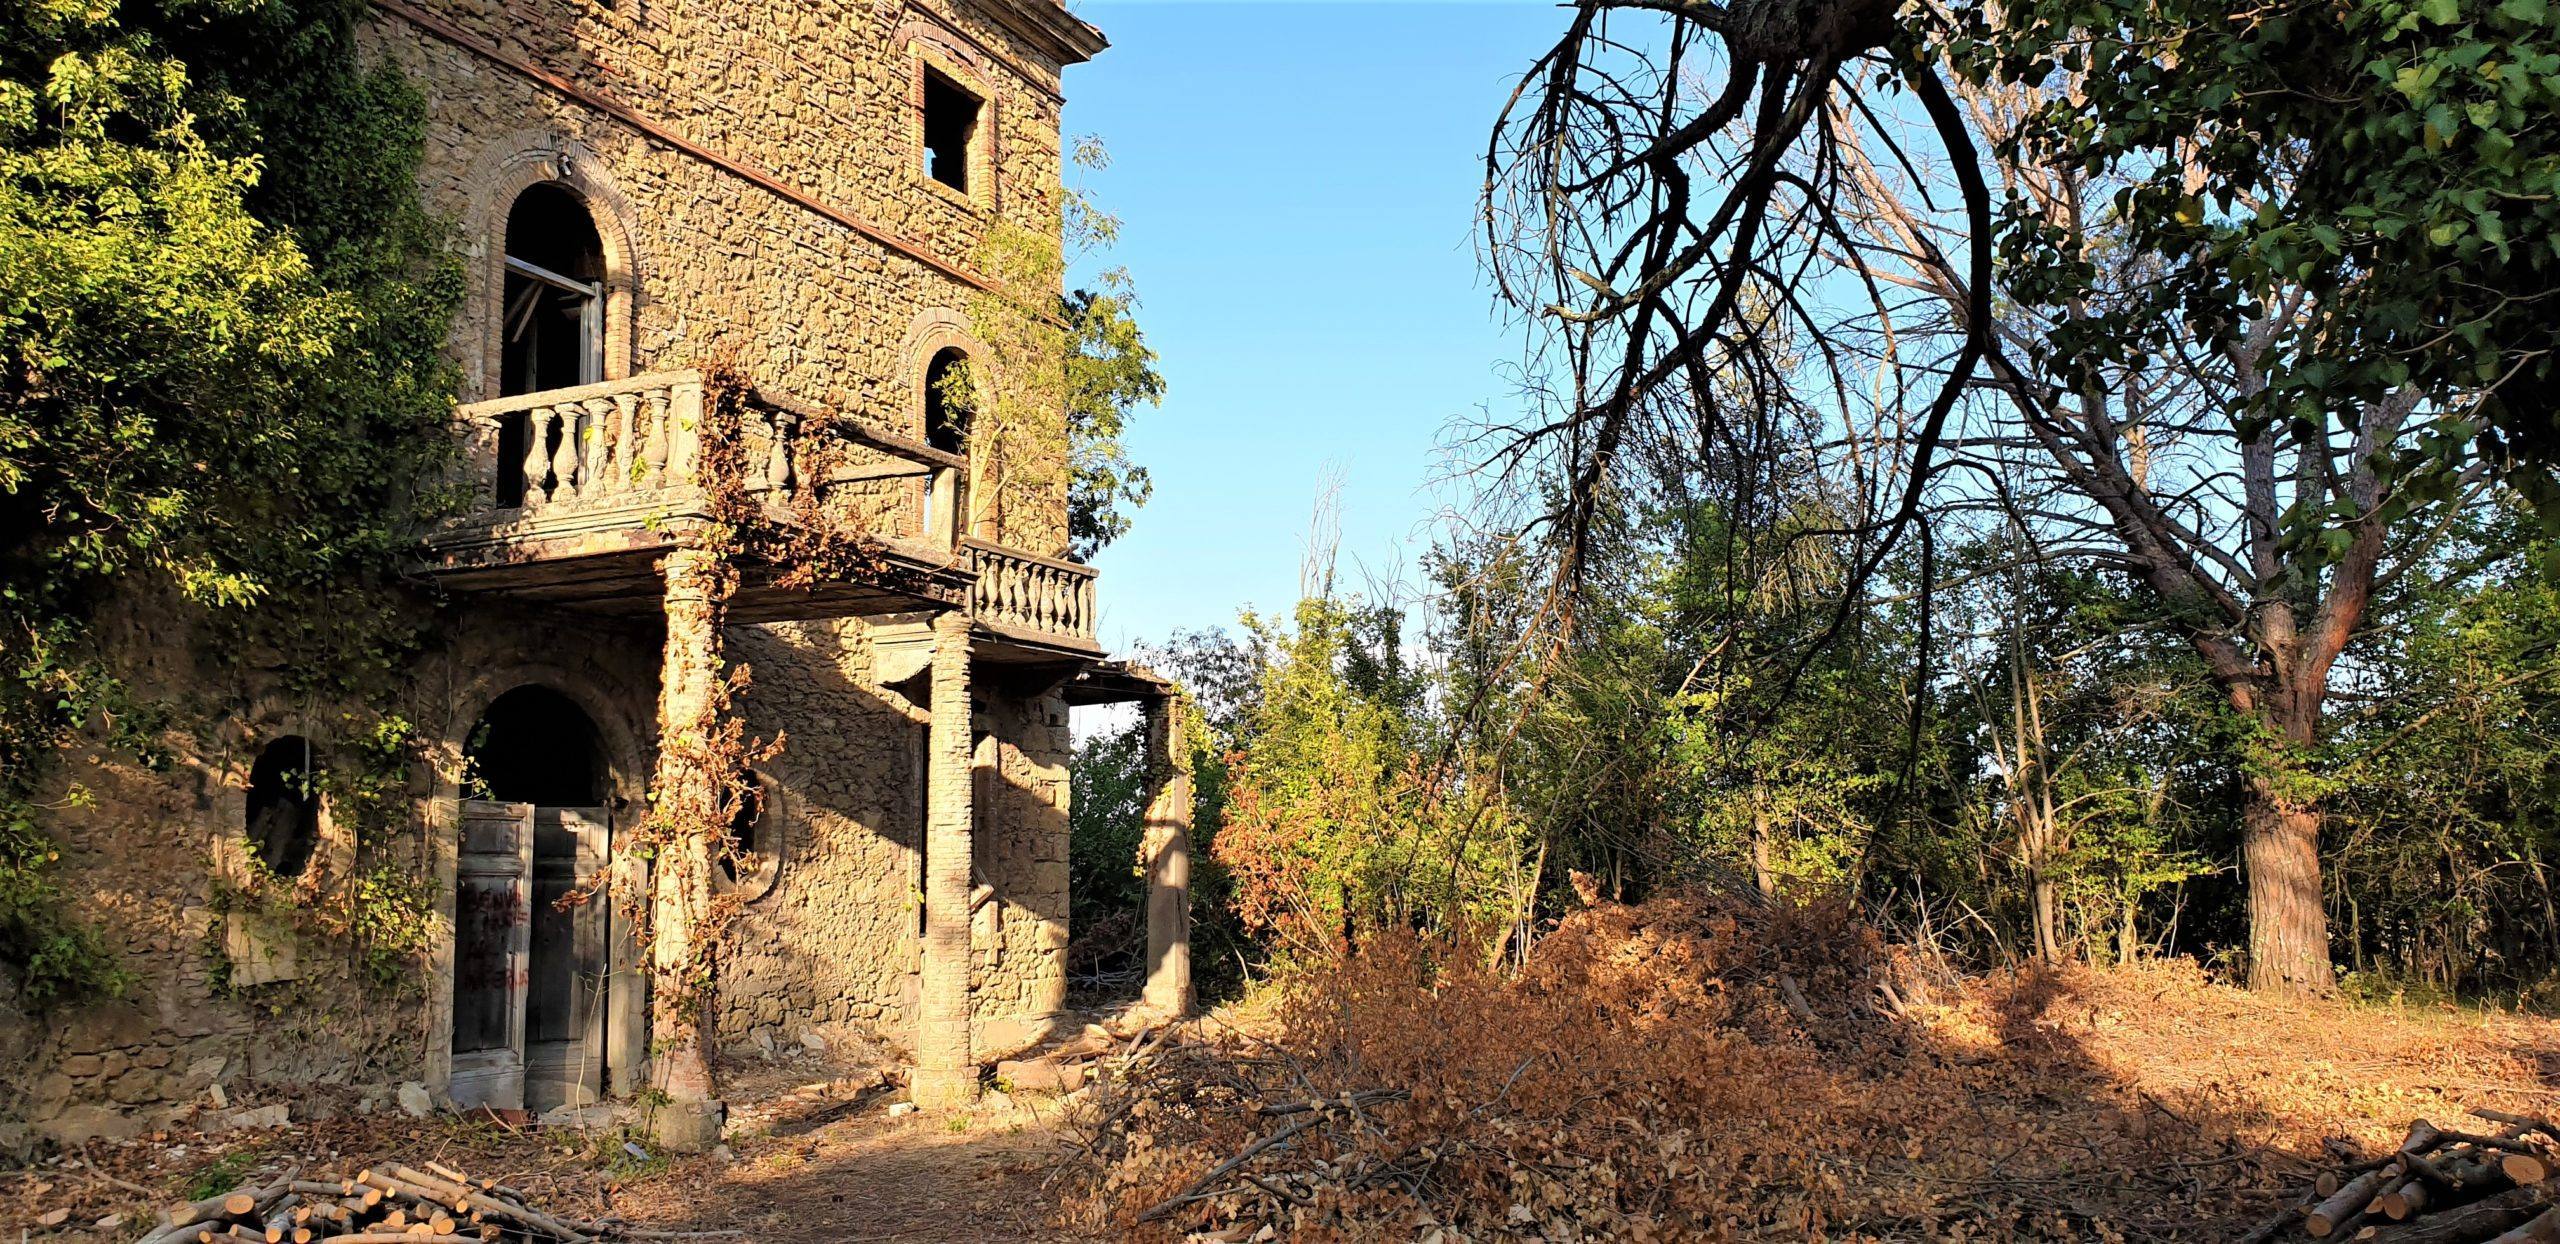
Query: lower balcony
x=574, y=494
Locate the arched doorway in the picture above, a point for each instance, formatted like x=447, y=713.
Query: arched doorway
x=534, y=938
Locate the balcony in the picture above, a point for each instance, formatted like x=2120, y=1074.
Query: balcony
x=573, y=495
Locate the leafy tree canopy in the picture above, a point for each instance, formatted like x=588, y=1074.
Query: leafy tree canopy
x=2389, y=163
x=221, y=317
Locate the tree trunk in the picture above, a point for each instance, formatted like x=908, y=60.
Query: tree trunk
x=1761, y=873
x=2288, y=925
x=2040, y=889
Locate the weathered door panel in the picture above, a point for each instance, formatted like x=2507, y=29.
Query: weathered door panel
x=492, y=947
x=566, y=1003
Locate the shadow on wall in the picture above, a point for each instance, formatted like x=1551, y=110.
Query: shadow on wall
x=835, y=934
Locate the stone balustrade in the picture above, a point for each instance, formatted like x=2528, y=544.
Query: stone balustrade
x=1031, y=595
x=637, y=444
x=560, y=480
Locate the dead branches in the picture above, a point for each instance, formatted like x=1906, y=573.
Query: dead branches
x=2439, y=1187
x=384, y=1204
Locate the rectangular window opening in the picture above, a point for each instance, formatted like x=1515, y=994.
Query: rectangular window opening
x=950, y=124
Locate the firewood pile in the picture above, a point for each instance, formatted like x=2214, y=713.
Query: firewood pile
x=383, y=1204
x=2438, y=1187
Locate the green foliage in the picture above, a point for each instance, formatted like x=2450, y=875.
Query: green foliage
x=221, y=383
x=226, y=1173
x=2392, y=159
x=2448, y=810
x=1049, y=404
x=1346, y=807
x=1106, y=877
x=1110, y=371
x=1106, y=881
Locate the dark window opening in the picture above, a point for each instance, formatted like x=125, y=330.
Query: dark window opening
x=754, y=854
x=536, y=746
x=946, y=402
x=947, y=397
x=551, y=331
x=284, y=807
x=950, y=123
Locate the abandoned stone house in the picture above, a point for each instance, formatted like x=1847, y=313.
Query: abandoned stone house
x=798, y=185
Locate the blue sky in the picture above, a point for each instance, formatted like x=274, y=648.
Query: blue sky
x=1296, y=184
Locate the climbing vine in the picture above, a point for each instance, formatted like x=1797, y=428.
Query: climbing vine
x=372, y=904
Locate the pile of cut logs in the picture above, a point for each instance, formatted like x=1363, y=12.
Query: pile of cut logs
x=390, y=1204
x=2439, y=1187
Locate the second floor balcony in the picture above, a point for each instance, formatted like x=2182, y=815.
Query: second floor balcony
x=573, y=494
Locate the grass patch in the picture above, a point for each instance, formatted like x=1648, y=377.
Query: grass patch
x=225, y=1173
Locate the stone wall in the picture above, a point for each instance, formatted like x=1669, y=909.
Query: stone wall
x=1018, y=940
x=706, y=261
x=835, y=938
x=754, y=167
x=150, y=859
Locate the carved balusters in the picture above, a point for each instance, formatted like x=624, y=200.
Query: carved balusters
x=1033, y=594
x=538, y=423
x=777, y=467
x=564, y=456
x=652, y=469
x=599, y=474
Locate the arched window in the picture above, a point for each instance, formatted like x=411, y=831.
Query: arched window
x=552, y=335
x=284, y=807
x=947, y=398
x=946, y=401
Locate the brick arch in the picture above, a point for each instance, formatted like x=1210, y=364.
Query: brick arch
x=931, y=332
x=510, y=166
x=626, y=751
x=952, y=56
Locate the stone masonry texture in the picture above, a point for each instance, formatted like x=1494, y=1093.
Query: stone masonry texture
x=707, y=263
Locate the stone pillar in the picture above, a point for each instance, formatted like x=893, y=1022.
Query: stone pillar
x=946, y=1073
x=1165, y=853
x=686, y=795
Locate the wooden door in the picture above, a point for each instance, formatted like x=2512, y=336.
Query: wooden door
x=492, y=949
x=571, y=967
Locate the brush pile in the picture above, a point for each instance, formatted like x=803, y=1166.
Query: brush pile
x=384, y=1204
x=2438, y=1187
x=1711, y=1066
x=1415, y=1091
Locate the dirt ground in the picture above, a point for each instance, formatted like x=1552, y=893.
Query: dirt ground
x=817, y=1152
x=821, y=1153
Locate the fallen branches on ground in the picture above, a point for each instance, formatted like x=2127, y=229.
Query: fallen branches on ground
x=1710, y=1067
x=386, y=1204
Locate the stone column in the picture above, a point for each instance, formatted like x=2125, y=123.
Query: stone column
x=946, y=1073
x=1165, y=853
x=687, y=796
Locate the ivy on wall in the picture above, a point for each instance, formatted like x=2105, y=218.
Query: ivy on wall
x=222, y=313
x=1062, y=375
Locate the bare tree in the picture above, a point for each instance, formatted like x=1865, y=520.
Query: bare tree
x=1838, y=261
